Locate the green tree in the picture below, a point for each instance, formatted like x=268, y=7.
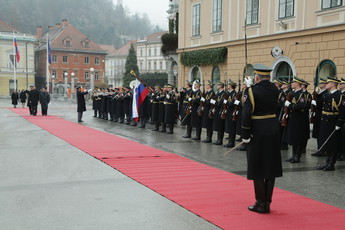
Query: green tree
x=131, y=64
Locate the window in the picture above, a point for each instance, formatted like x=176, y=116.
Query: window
x=326, y=4
x=65, y=59
x=326, y=68
x=54, y=58
x=96, y=76
x=215, y=77
x=217, y=16
x=286, y=8
x=54, y=74
x=141, y=53
x=196, y=74
x=86, y=75
x=196, y=20
x=86, y=60
x=87, y=45
x=149, y=66
x=149, y=52
x=284, y=71
x=96, y=60
x=161, y=65
x=64, y=74
x=141, y=65
x=154, y=65
x=12, y=61
x=252, y=12
x=68, y=43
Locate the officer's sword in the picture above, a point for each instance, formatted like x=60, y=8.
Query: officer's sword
x=234, y=148
x=326, y=140
x=184, y=118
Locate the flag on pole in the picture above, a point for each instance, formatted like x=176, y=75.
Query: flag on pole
x=48, y=51
x=16, y=49
x=139, y=94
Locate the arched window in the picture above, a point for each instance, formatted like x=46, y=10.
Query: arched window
x=284, y=71
x=215, y=77
x=196, y=74
x=326, y=68
x=249, y=71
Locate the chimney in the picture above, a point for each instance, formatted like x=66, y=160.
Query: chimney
x=64, y=22
x=50, y=27
x=39, y=31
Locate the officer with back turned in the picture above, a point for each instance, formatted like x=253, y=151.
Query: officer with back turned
x=261, y=133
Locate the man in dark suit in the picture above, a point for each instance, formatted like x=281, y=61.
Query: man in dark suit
x=33, y=100
x=81, y=103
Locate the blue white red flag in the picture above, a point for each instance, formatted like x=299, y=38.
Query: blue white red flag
x=139, y=94
x=17, y=51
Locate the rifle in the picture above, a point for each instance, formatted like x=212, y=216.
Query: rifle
x=238, y=97
x=286, y=109
x=202, y=106
x=189, y=106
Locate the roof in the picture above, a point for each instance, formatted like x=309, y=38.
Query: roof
x=60, y=33
x=123, y=51
x=109, y=48
x=153, y=38
x=4, y=27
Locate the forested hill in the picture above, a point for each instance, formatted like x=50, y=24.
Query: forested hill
x=103, y=21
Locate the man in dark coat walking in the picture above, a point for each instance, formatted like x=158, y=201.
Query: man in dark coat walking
x=15, y=98
x=44, y=101
x=81, y=103
x=33, y=100
x=261, y=134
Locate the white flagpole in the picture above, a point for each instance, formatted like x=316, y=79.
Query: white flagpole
x=14, y=64
x=47, y=66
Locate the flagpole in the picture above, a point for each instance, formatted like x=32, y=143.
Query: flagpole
x=47, y=65
x=14, y=63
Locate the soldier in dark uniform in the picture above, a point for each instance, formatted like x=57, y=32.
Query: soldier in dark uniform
x=94, y=98
x=218, y=122
x=155, y=108
x=180, y=99
x=196, y=120
x=306, y=113
x=317, y=103
x=341, y=155
x=104, y=104
x=261, y=133
x=114, y=105
x=296, y=128
x=161, y=114
x=284, y=90
x=170, y=108
x=332, y=119
x=127, y=105
x=207, y=122
x=230, y=124
x=186, y=118
x=120, y=112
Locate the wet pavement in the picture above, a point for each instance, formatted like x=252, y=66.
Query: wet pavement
x=40, y=177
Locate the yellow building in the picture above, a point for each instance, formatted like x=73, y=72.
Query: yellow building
x=304, y=38
x=25, y=69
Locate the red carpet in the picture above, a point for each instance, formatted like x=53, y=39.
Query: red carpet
x=215, y=195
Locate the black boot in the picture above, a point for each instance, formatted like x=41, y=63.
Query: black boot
x=330, y=166
x=299, y=150
x=156, y=127
x=220, y=136
x=164, y=128
x=230, y=144
x=189, y=132
x=321, y=167
x=197, y=134
x=260, y=196
x=171, y=129
x=269, y=186
x=209, y=136
x=95, y=113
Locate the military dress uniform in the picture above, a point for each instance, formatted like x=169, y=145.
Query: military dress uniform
x=230, y=124
x=218, y=122
x=161, y=114
x=155, y=109
x=296, y=128
x=196, y=120
x=207, y=122
x=341, y=156
x=186, y=118
x=170, y=110
x=260, y=128
x=280, y=113
x=308, y=98
x=333, y=116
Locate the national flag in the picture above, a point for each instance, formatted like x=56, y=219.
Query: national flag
x=139, y=94
x=17, y=51
x=48, y=52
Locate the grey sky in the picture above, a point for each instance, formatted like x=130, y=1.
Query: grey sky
x=155, y=9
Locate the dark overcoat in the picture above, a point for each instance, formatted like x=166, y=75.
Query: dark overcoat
x=14, y=97
x=81, y=107
x=44, y=99
x=207, y=122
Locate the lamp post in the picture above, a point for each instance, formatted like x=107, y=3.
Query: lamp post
x=65, y=91
x=92, y=78
x=72, y=84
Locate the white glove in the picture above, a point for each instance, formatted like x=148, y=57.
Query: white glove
x=337, y=127
x=225, y=101
x=287, y=103
x=164, y=103
x=168, y=96
x=249, y=81
x=202, y=99
x=237, y=102
x=190, y=99
x=246, y=141
x=89, y=91
x=213, y=102
x=313, y=102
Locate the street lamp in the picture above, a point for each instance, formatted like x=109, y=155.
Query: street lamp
x=66, y=78
x=92, y=78
x=72, y=84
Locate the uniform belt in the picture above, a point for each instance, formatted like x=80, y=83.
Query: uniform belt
x=155, y=102
x=330, y=113
x=185, y=102
x=263, y=117
x=161, y=101
x=169, y=103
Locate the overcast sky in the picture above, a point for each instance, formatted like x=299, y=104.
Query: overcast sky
x=155, y=9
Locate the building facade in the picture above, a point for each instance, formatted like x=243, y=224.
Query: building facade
x=73, y=53
x=294, y=37
x=149, y=55
x=25, y=69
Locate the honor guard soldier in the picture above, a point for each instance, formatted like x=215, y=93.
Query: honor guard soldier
x=196, y=120
x=341, y=156
x=306, y=113
x=170, y=108
x=229, y=109
x=332, y=120
x=207, y=122
x=218, y=122
x=155, y=108
x=317, y=104
x=161, y=107
x=296, y=128
x=185, y=113
x=284, y=90
x=261, y=135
